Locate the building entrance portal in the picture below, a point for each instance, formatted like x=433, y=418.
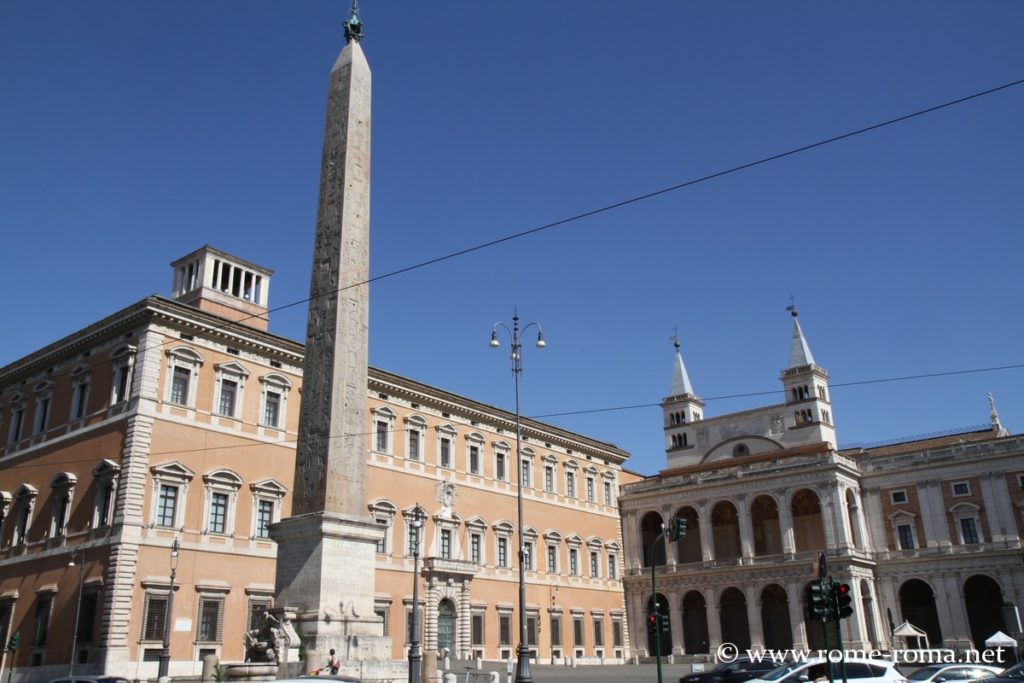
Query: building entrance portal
x=446, y=626
x=695, y=624
x=984, y=601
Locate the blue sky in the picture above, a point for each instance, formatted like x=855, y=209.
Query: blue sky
x=133, y=132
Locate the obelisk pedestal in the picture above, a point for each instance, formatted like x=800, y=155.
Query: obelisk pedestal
x=326, y=549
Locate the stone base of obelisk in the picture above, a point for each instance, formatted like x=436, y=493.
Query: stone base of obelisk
x=325, y=578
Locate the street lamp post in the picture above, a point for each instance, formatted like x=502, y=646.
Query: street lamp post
x=523, y=674
x=79, y=557
x=415, y=658
x=165, y=655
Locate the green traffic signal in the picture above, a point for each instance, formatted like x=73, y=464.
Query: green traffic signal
x=679, y=529
x=15, y=639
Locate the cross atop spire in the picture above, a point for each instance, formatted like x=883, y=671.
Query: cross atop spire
x=799, y=351
x=354, y=27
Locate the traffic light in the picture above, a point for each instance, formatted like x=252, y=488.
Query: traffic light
x=843, y=600
x=819, y=601
x=652, y=623
x=666, y=626
x=15, y=639
x=679, y=529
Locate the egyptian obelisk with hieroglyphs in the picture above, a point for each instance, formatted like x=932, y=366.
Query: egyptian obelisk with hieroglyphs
x=325, y=561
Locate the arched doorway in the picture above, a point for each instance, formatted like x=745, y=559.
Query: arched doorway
x=651, y=537
x=983, y=599
x=663, y=635
x=446, y=625
x=725, y=531
x=917, y=605
x=695, y=624
x=732, y=610
x=688, y=549
x=778, y=632
x=764, y=514
x=808, y=532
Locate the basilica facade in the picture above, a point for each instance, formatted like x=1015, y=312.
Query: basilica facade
x=926, y=532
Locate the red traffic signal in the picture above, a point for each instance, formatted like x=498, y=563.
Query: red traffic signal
x=843, y=596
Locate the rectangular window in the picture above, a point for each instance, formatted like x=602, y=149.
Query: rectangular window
x=446, y=544
x=616, y=633
x=414, y=540
x=961, y=488
x=556, y=630
x=272, y=409
x=531, y=630
x=414, y=444
x=595, y=564
x=60, y=514
x=613, y=570
x=574, y=562
x=264, y=518
x=549, y=478
x=504, y=629
x=499, y=467
x=382, y=436
x=167, y=505
x=41, y=626
x=179, y=386
x=218, y=513
x=153, y=621
x=607, y=493
x=577, y=631
x=87, y=615
x=906, y=534
x=570, y=484
x=382, y=542
x=474, y=548
x=446, y=452
x=81, y=395
x=42, y=414
x=211, y=611
x=525, y=473
x=17, y=417
x=528, y=555
x=969, y=529
x=898, y=497
x=502, y=552
x=590, y=489
x=552, y=559
x=598, y=632
x=382, y=612
x=6, y=612
x=474, y=460
x=478, y=628
x=104, y=503
x=120, y=383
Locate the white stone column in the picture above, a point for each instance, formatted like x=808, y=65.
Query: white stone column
x=675, y=612
x=796, y=615
x=879, y=539
x=995, y=512
x=826, y=497
x=746, y=531
x=705, y=532
x=714, y=620
x=961, y=629
x=856, y=636
x=946, y=604
x=786, y=526
x=754, y=617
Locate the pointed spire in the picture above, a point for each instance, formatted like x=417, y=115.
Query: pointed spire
x=993, y=415
x=680, y=379
x=354, y=27
x=799, y=352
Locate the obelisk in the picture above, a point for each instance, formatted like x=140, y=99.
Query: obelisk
x=326, y=549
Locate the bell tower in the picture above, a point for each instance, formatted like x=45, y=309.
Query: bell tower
x=681, y=409
x=807, y=392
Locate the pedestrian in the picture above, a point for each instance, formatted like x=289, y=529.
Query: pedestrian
x=333, y=663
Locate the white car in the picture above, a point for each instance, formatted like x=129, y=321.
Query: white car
x=814, y=669
x=938, y=673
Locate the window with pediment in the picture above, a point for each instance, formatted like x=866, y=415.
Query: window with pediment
x=274, y=390
x=63, y=490
x=267, y=496
x=383, y=426
x=474, y=451
x=15, y=429
x=43, y=393
x=24, y=505
x=229, y=389
x=170, y=491
x=105, y=477
x=221, y=495
x=383, y=514
x=446, y=446
x=81, y=381
x=122, y=362
x=183, y=366
x=415, y=430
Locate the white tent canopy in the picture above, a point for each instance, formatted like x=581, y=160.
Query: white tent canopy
x=908, y=630
x=1000, y=639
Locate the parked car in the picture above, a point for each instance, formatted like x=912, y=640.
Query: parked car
x=1014, y=674
x=738, y=671
x=323, y=678
x=90, y=679
x=815, y=669
x=937, y=673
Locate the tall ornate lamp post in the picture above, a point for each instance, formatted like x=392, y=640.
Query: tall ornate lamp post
x=79, y=557
x=523, y=674
x=165, y=655
x=415, y=658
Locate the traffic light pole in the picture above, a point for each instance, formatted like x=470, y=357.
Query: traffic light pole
x=836, y=617
x=654, y=601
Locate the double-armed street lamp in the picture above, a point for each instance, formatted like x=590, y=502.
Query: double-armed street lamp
x=523, y=653
x=415, y=658
x=79, y=557
x=165, y=654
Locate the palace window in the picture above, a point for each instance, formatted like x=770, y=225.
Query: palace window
x=574, y=562
x=445, y=448
x=502, y=551
x=570, y=484
x=44, y=401
x=183, y=370
x=123, y=359
x=210, y=622
x=613, y=571
x=556, y=630
x=63, y=487
x=446, y=544
x=80, y=381
x=528, y=555
x=274, y=389
x=961, y=488
x=598, y=632
x=477, y=627
x=549, y=478
x=552, y=558
x=154, y=617
x=577, y=631
x=607, y=493
x=25, y=502
x=17, y=418
x=170, y=486
x=504, y=628
x=595, y=564
x=499, y=465
x=221, y=495
x=590, y=489
x=41, y=624
x=266, y=501
x=898, y=497
x=383, y=513
x=415, y=426
x=383, y=422
x=475, y=548
x=230, y=384
x=968, y=525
